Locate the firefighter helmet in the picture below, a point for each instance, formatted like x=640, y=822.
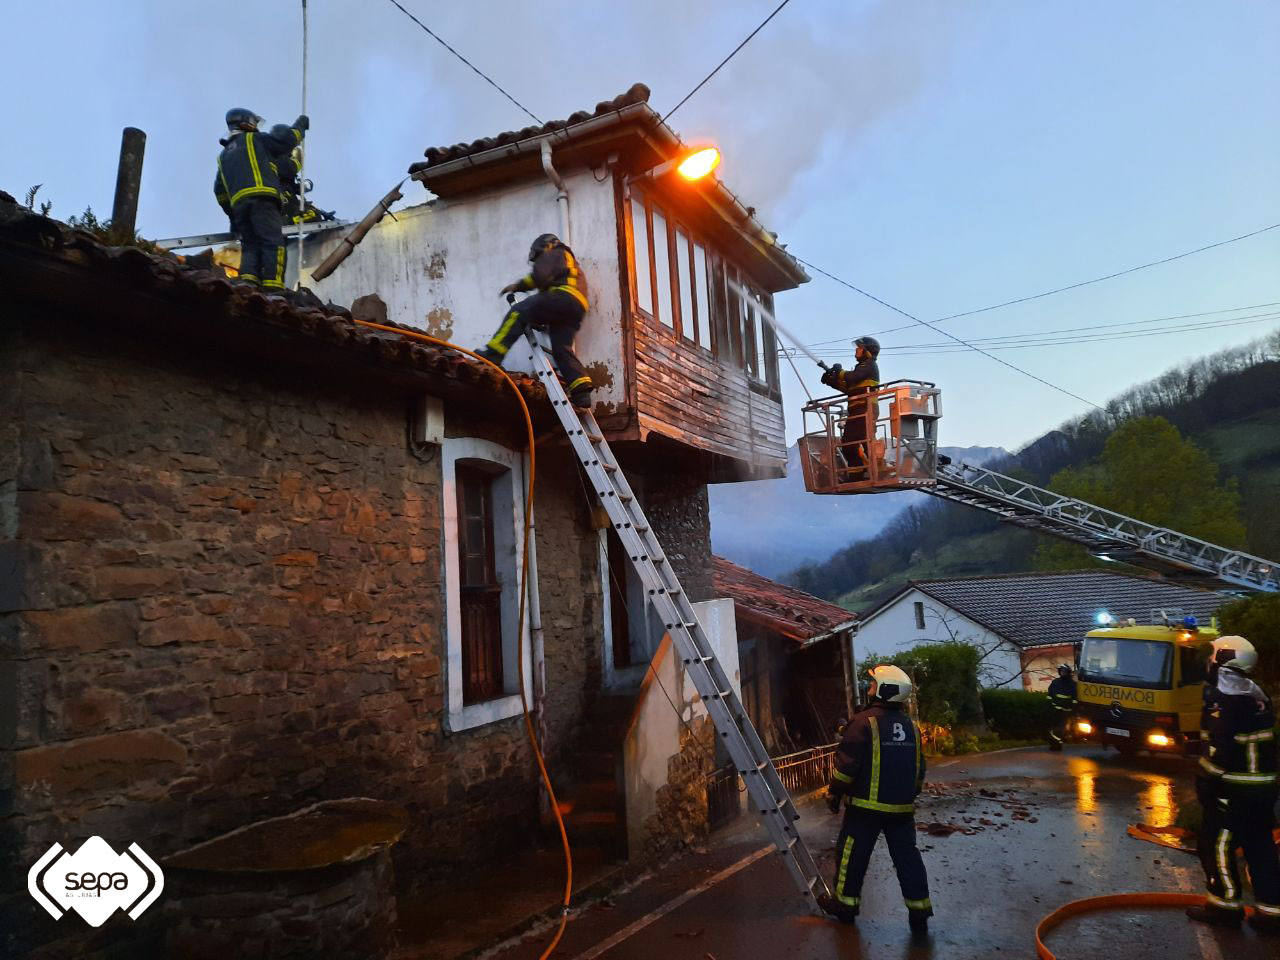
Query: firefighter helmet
x=1064, y=669
x=870, y=344
x=1235, y=652
x=544, y=242
x=892, y=684
x=238, y=118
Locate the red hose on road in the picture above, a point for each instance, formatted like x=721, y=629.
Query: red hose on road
x=1110, y=902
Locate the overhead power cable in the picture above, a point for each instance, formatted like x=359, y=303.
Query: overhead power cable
x=1085, y=283
x=945, y=333
x=731, y=55
x=822, y=346
x=476, y=70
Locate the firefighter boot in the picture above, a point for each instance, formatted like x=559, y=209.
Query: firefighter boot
x=1215, y=916
x=581, y=399
x=1266, y=923
x=493, y=356
x=919, y=920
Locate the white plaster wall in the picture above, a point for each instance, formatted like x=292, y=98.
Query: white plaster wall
x=894, y=630
x=654, y=736
x=438, y=266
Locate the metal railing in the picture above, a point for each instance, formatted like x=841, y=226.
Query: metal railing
x=799, y=772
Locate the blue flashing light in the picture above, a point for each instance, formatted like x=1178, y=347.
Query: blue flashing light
x=1104, y=619
x=1190, y=623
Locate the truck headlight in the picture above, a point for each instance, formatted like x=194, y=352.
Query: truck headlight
x=1158, y=739
x=1084, y=726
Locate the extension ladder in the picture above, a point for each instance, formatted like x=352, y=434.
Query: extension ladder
x=769, y=797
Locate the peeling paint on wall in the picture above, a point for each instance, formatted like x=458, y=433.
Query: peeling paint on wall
x=440, y=323
x=435, y=266
x=600, y=375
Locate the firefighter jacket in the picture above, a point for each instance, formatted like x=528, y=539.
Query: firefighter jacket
x=1237, y=739
x=249, y=166
x=860, y=379
x=879, y=764
x=1062, y=693
x=557, y=269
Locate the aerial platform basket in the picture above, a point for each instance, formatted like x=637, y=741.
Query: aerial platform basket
x=899, y=422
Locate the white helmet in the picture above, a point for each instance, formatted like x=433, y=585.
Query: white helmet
x=1235, y=652
x=892, y=683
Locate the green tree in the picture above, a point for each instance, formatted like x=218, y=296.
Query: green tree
x=1150, y=472
x=1257, y=619
x=946, y=680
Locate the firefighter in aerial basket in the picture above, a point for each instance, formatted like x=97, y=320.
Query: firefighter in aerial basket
x=856, y=383
x=558, y=307
x=1236, y=788
x=1062, y=695
x=878, y=773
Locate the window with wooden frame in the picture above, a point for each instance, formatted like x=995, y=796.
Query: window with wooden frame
x=479, y=589
x=681, y=282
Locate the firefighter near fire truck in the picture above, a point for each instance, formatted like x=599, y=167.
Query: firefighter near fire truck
x=856, y=384
x=878, y=773
x=1062, y=696
x=1236, y=787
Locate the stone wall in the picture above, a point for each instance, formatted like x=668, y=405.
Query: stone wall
x=677, y=506
x=681, y=818
x=222, y=602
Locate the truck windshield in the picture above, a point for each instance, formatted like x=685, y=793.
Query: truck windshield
x=1131, y=663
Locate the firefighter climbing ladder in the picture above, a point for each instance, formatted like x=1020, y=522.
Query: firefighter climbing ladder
x=662, y=589
x=1103, y=532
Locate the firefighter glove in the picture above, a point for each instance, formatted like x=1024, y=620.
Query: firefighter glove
x=833, y=802
x=303, y=123
x=831, y=376
x=510, y=288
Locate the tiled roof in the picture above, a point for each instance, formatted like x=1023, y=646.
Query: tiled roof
x=29, y=240
x=638, y=93
x=1045, y=609
x=777, y=607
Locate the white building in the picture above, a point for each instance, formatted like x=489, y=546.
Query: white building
x=1024, y=624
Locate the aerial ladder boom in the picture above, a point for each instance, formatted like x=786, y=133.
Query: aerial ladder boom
x=895, y=448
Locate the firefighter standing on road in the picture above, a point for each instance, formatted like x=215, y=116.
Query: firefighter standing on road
x=1236, y=788
x=1062, y=694
x=559, y=306
x=247, y=186
x=879, y=770
x=856, y=383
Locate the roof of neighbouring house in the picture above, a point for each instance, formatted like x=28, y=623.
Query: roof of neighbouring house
x=775, y=606
x=625, y=132
x=43, y=260
x=1051, y=609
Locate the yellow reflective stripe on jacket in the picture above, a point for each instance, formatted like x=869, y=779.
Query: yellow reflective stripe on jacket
x=253, y=159
x=1255, y=737
x=867, y=383
x=1255, y=778
x=881, y=807
x=916, y=731
x=873, y=794
x=575, y=293
x=254, y=192
x=1208, y=766
x=837, y=775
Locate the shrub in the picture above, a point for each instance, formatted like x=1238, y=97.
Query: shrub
x=946, y=680
x=1018, y=714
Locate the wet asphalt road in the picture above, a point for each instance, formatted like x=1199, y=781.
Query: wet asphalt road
x=1044, y=829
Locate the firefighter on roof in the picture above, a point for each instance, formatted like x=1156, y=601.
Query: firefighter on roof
x=558, y=306
x=879, y=770
x=857, y=383
x=1236, y=787
x=247, y=186
x=1062, y=695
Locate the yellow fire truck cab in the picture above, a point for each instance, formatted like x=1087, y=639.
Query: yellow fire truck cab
x=1141, y=687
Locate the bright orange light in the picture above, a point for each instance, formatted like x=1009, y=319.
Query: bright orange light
x=1159, y=740
x=699, y=163
x=1084, y=726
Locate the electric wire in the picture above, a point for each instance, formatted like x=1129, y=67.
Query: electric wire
x=945, y=333
x=474, y=69
x=1085, y=283
x=1052, y=339
x=1124, y=323
x=731, y=55
x=520, y=616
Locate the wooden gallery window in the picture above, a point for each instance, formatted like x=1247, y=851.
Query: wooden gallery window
x=480, y=592
x=683, y=284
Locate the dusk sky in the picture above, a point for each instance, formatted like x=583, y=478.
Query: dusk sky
x=943, y=156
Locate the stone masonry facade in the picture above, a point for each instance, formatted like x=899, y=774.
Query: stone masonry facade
x=220, y=601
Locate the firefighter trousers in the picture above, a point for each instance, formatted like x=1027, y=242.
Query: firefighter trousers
x=853, y=438
x=259, y=227
x=1059, y=731
x=858, y=835
x=561, y=314
x=1245, y=823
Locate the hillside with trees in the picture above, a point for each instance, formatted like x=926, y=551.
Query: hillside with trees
x=1197, y=448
